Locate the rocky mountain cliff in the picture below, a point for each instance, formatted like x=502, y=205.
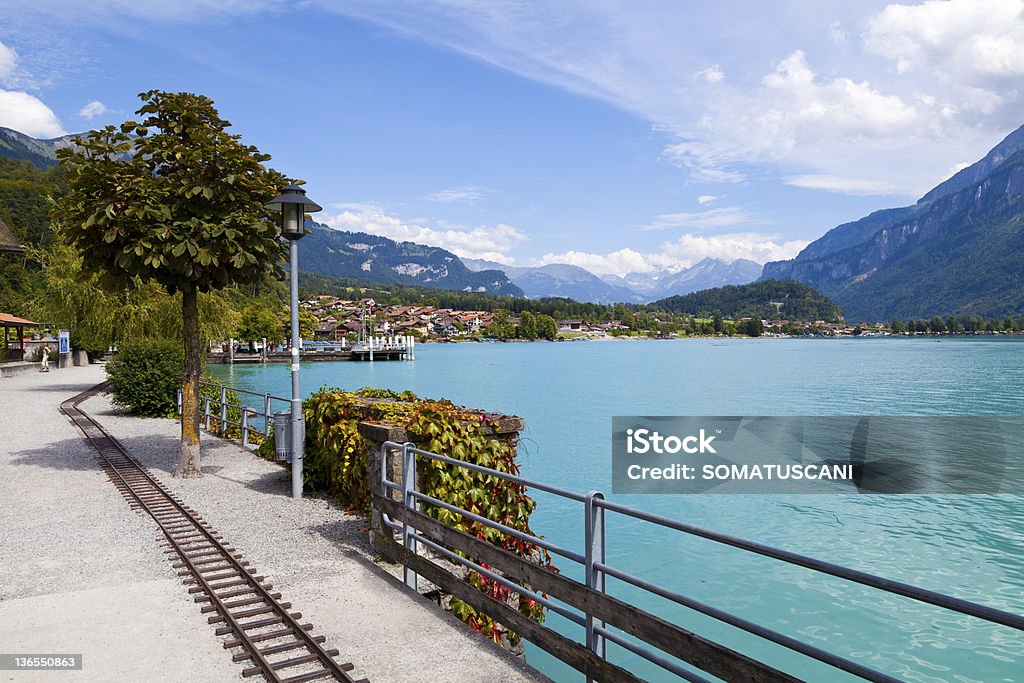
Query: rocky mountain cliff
x=42, y=153
x=958, y=251
x=370, y=258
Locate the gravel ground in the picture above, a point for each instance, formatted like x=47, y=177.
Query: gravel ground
x=319, y=558
x=79, y=571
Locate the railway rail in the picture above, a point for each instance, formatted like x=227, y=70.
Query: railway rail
x=242, y=606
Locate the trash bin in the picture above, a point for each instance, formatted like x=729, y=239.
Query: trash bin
x=283, y=434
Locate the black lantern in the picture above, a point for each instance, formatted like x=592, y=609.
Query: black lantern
x=293, y=205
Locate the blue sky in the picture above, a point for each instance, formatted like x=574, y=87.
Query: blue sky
x=617, y=136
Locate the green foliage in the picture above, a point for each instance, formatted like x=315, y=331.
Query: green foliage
x=185, y=210
x=145, y=376
x=257, y=322
x=798, y=302
x=336, y=454
x=98, y=318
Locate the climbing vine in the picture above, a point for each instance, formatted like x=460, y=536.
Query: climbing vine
x=336, y=461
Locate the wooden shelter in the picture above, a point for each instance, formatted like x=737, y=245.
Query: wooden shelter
x=8, y=353
x=8, y=244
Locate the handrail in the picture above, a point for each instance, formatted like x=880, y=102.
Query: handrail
x=223, y=407
x=596, y=569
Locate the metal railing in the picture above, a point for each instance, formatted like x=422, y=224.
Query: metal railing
x=251, y=418
x=594, y=608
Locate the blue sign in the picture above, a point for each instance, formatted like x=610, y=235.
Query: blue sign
x=63, y=342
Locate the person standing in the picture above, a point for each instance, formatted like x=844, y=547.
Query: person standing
x=45, y=366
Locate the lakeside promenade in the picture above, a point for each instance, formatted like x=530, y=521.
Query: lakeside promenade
x=80, y=573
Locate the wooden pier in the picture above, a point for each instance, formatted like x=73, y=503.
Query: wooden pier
x=376, y=348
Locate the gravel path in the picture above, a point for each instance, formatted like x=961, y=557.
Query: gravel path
x=79, y=571
x=315, y=554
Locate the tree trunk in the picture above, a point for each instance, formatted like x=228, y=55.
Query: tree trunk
x=188, y=464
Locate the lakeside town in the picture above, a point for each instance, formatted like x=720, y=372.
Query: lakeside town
x=347, y=320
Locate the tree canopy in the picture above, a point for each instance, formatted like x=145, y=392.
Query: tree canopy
x=174, y=200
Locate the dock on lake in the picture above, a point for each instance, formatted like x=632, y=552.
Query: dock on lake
x=372, y=349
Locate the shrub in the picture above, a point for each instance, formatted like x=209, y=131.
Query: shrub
x=336, y=461
x=145, y=376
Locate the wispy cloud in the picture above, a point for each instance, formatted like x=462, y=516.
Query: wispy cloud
x=831, y=183
x=8, y=58
x=725, y=217
x=466, y=194
x=707, y=199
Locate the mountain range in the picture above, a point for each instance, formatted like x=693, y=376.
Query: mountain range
x=958, y=251
x=42, y=153
x=573, y=282
x=371, y=258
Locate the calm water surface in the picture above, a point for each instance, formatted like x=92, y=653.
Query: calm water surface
x=970, y=546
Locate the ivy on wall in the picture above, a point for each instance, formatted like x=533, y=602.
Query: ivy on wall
x=336, y=461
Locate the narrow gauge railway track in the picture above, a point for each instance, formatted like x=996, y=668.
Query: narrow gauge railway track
x=263, y=630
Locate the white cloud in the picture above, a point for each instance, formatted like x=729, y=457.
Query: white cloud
x=961, y=38
x=706, y=199
x=93, y=109
x=486, y=242
x=725, y=217
x=27, y=114
x=468, y=194
x=684, y=252
x=712, y=74
x=8, y=58
x=831, y=183
x=616, y=263
x=837, y=33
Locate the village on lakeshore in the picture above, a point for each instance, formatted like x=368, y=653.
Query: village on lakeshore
x=345, y=320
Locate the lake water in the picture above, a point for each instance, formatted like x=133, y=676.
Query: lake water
x=968, y=546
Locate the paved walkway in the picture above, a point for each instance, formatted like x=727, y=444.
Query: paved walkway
x=81, y=573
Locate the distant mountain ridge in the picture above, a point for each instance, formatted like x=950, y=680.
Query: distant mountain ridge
x=371, y=258
x=559, y=279
x=958, y=251
x=41, y=153
x=705, y=274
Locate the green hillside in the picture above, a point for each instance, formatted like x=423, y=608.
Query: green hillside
x=767, y=299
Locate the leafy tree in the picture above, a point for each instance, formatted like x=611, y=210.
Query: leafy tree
x=500, y=327
x=753, y=327
x=307, y=325
x=952, y=325
x=177, y=200
x=547, y=327
x=257, y=322
x=97, y=318
x=527, y=326
x=897, y=326
x=936, y=324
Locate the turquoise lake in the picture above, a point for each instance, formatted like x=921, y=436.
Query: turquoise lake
x=968, y=546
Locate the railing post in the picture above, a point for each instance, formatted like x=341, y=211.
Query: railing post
x=223, y=410
x=595, y=553
x=206, y=412
x=179, y=401
x=245, y=427
x=408, y=486
x=266, y=415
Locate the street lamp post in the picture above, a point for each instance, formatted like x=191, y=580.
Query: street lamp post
x=293, y=205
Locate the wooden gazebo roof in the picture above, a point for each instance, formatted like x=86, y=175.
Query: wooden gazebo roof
x=8, y=320
x=7, y=242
